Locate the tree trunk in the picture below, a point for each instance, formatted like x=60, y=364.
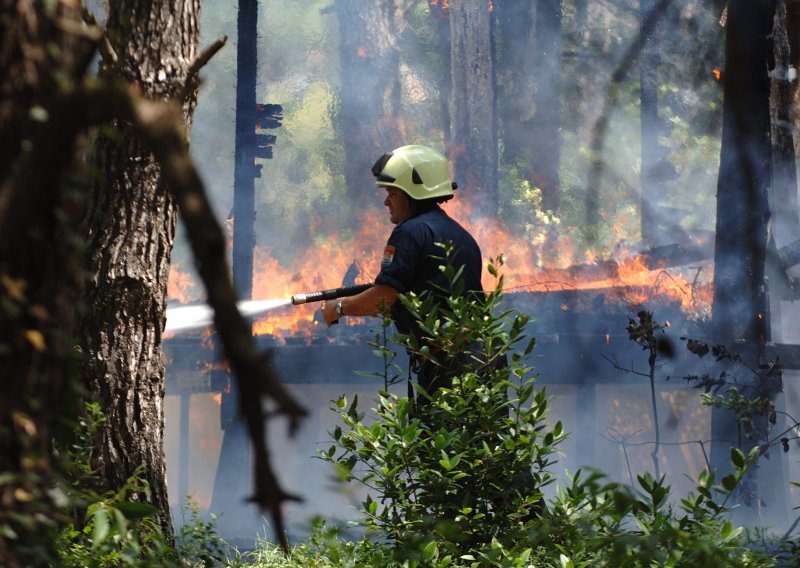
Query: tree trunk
x=547, y=120
x=740, y=311
x=516, y=84
x=40, y=268
x=474, y=144
x=440, y=43
x=649, y=60
x=369, y=94
x=131, y=228
x=783, y=198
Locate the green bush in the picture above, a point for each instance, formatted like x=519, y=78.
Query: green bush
x=113, y=529
x=456, y=478
x=596, y=523
x=462, y=467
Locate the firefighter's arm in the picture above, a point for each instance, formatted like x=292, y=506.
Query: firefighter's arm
x=370, y=302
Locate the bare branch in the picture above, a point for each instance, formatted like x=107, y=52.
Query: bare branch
x=161, y=125
x=106, y=50
x=200, y=61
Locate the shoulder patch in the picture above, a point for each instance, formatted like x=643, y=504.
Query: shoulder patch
x=388, y=255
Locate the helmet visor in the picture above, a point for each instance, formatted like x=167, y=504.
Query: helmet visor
x=377, y=169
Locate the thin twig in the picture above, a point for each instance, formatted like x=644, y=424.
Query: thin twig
x=191, y=83
x=106, y=50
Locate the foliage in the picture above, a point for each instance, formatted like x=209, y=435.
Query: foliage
x=461, y=467
x=749, y=400
x=114, y=529
x=197, y=542
x=609, y=524
x=444, y=473
x=521, y=206
x=325, y=547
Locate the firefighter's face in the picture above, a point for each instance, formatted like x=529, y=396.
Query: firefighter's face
x=397, y=203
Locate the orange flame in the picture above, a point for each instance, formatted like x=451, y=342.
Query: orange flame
x=627, y=277
x=717, y=73
x=180, y=285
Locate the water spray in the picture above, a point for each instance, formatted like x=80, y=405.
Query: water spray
x=184, y=318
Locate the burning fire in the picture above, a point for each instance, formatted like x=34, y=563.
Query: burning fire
x=180, y=285
x=627, y=277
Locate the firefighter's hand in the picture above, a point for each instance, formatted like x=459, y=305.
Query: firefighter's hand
x=329, y=312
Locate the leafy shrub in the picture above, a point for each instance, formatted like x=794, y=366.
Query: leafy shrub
x=324, y=548
x=597, y=523
x=455, y=478
x=112, y=529
x=197, y=541
x=462, y=467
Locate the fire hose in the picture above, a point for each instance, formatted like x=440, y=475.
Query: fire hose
x=332, y=294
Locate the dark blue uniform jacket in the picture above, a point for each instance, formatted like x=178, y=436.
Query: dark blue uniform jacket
x=409, y=265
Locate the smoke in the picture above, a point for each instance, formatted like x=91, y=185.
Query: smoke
x=315, y=215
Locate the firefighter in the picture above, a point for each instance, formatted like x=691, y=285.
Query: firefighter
x=416, y=180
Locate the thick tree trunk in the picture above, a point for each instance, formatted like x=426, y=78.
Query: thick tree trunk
x=783, y=199
x=40, y=268
x=745, y=175
x=440, y=43
x=516, y=83
x=369, y=94
x=649, y=60
x=547, y=120
x=130, y=234
x=474, y=143
x=740, y=311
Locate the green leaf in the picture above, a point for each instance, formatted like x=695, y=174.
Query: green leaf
x=410, y=434
x=729, y=482
x=737, y=457
x=429, y=551
x=135, y=511
x=352, y=412
x=531, y=345
x=101, y=526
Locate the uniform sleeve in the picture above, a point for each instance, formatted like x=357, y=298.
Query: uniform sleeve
x=401, y=257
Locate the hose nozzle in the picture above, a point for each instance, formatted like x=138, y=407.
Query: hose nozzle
x=298, y=299
x=332, y=294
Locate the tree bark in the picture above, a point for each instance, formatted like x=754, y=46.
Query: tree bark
x=130, y=229
x=649, y=60
x=547, y=120
x=474, y=143
x=516, y=83
x=783, y=198
x=368, y=117
x=740, y=310
x=40, y=267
